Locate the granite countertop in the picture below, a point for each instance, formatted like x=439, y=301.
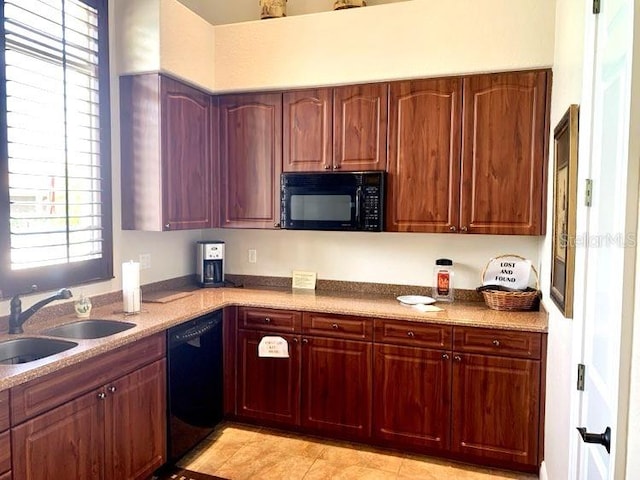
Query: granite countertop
x=157, y=317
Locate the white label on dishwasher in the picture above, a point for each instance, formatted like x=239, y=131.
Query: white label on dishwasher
x=275, y=347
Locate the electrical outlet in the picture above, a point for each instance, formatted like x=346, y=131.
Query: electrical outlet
x=145, y=261
x=253, y=255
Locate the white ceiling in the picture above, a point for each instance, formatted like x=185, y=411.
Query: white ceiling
x=218, y=12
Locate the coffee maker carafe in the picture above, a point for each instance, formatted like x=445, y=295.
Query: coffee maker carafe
x=210, y=263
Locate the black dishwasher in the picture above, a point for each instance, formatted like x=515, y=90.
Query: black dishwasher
x=194, y=392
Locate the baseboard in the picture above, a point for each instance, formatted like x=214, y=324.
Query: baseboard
x=543, y=471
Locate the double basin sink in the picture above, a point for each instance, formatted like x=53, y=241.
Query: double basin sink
x=28, y=349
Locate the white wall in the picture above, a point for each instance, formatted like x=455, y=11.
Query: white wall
x=219, y=12
x=567, y=87
x=398, y=258
x=398, y=40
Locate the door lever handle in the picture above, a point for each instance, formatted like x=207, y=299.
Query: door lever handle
x=601, y=438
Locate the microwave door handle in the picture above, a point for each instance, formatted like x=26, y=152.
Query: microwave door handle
x=358, y=195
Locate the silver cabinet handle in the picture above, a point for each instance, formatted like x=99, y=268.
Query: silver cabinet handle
x=111, y=389
x=327, y=167
x=305, y=341
x=457, y=358
x=167, y=226
x=452, y=228
x=294, y=340
x=463, y=228
x=102, y=395
x=334, y=326
x=496, y=343
x=267, y=320
x=445, y=356
x=411, y=334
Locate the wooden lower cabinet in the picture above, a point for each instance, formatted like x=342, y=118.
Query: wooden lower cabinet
x=496, y=408
x=135, y=426
x=268, y=388
x=336, y=386
x=113, y=432
x=66, y=442
x=412, y=392
x=469, y=393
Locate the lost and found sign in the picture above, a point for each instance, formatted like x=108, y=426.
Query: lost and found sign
x=512, y=272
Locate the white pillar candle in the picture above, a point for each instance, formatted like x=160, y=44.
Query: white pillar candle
x=131, y=287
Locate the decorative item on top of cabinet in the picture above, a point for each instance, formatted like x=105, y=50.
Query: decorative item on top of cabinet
x=250, y=159
x=340, y=4
x=167, y=155
x=273, y=8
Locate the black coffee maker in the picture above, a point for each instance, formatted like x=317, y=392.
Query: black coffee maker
x=210, y=263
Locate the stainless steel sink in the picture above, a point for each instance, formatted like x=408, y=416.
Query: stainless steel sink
x=28, y=349
x=88, y=329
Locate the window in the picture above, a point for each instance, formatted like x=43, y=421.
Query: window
x=55, y=176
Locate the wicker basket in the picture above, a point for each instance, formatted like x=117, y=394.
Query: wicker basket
x=499, y=300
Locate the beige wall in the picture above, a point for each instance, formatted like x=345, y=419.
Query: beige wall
x=398, y=258
x=567, y=89
x=400, y=40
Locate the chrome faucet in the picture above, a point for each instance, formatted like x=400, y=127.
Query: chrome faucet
x=17, y=317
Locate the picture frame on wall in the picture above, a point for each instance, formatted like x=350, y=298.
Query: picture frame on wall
x=565, y=191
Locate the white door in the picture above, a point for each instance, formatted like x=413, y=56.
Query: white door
x=606, y=286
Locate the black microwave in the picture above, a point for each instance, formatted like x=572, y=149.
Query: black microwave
x=332, y=201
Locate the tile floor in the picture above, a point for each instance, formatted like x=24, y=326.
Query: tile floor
x=239, y=452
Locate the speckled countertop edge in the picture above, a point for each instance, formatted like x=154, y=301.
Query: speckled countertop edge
x=157, y=317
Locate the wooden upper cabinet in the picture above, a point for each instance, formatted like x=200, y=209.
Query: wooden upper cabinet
x=250, y=159
x=423, y=181
x=167, y=154
x=360, y=127
x=342, y=128
x=504, y=151
x=307, y=134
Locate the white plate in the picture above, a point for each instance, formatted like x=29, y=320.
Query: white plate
x=416, y=300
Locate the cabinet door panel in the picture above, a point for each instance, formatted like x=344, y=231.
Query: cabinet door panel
x=268, y=388
x=503, y=154
x=186, y=156
x=251, y=159
x=496, y=408
x=5, y=451
x=4, y=410
x=360, y=127
x=424, y=155
x=135, y=428
x=336, y=386
x=412, y=392
x=66, y=442
x=307, y=135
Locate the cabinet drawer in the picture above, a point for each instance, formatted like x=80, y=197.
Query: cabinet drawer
x=5, y=452
x=269, y=319
x=413, y=334
x=45, y=393
x=340, y=326
x=507, y=343
x=4, y=410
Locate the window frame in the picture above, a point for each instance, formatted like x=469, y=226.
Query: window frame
x=75, y=273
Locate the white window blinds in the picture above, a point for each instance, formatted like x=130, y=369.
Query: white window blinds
x=53, y=132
